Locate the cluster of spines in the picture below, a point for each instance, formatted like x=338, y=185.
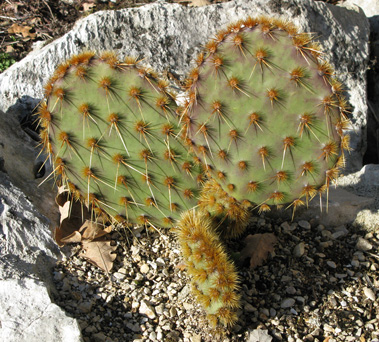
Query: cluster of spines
x=334, y=107
x=224, y=210
x=214, y=278
x=61, y=145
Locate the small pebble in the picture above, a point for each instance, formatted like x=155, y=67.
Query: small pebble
x=304, y=224
x=299, y=250
x=144, y=269
x=287, y=303
x=331, y=264
x=369, y=293
x=363, y=244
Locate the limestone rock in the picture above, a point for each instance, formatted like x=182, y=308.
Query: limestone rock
x=27, y=314
x=27, y=254
x=18, y=158
x=170, y=35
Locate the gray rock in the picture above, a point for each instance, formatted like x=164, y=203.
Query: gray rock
x=28, y=315
x=169, y=36
x=287, y=303
x=27, y=254
x=299, y=250
x=363, y=244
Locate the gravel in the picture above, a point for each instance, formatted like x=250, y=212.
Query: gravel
x=321, y=284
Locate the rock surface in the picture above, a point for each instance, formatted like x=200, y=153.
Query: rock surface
x=27, y=255
x=169, y=36
x=28, y=315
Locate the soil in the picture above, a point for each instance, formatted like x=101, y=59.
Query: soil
x=26, y=22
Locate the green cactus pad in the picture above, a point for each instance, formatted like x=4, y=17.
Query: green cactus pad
x=265, y=114
x=109, y=128
x=214, y=279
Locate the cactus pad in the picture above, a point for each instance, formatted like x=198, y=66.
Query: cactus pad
x=109, y=129
x=265, y=114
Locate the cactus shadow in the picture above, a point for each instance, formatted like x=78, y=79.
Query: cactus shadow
x=312, y=287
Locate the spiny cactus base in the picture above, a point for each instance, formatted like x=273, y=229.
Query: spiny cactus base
x=214, y=279
x=109, y=129
x=265, y=114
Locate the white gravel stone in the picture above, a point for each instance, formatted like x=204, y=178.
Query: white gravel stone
x=146, y=309
x=369, y=293
x=144, y=269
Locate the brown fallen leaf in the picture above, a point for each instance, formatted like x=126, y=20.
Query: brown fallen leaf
x=258, y=247
x=92, y=230
x=23, y=30
x=75, y=237
x=72, y=215
x=100, y=253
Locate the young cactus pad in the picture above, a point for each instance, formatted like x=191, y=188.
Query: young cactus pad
x=214, y=279
x=265, y=114
x=108, y=128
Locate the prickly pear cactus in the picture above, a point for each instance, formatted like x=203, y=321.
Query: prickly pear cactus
x=214, y=277
x=265, y=114
x=109, y=129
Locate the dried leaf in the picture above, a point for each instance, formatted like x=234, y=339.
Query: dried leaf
x=72, y=216
x=259, y=335
x=99, y=253
x=23, y=30
x=75, y=237
x=199, y=3
x=258, y=247
x=87, y=6
x=92, y=230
